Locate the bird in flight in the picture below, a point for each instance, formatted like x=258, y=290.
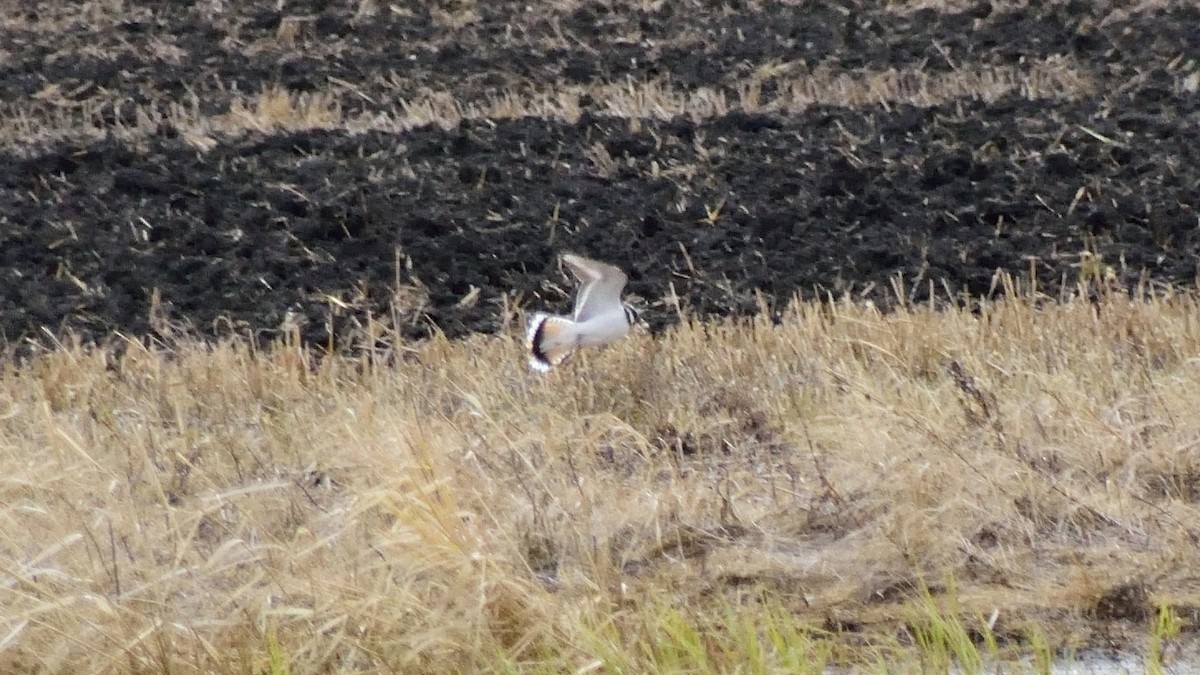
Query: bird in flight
x=600, y=316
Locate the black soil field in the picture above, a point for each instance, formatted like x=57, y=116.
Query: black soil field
x=231, y=168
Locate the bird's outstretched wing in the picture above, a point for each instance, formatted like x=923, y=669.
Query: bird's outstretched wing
x=600, y=286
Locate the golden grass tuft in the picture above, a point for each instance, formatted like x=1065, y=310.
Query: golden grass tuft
x=842, y=486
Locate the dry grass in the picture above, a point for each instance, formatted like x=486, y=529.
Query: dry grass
x=82, y=112
x=50, y=117
x=721, y=495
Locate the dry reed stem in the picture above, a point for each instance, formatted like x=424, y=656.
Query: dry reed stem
x=200, y=508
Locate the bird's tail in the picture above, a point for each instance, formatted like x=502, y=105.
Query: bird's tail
x=550, y=340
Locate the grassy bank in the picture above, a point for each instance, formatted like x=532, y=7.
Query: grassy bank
x=835, y=487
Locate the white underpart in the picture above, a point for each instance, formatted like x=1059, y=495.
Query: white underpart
x=602, y=329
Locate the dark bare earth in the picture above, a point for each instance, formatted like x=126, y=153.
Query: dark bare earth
x=328, y=222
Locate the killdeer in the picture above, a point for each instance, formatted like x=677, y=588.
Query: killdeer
x=600, y=317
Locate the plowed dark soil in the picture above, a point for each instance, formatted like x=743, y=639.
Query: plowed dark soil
x=318, y=224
